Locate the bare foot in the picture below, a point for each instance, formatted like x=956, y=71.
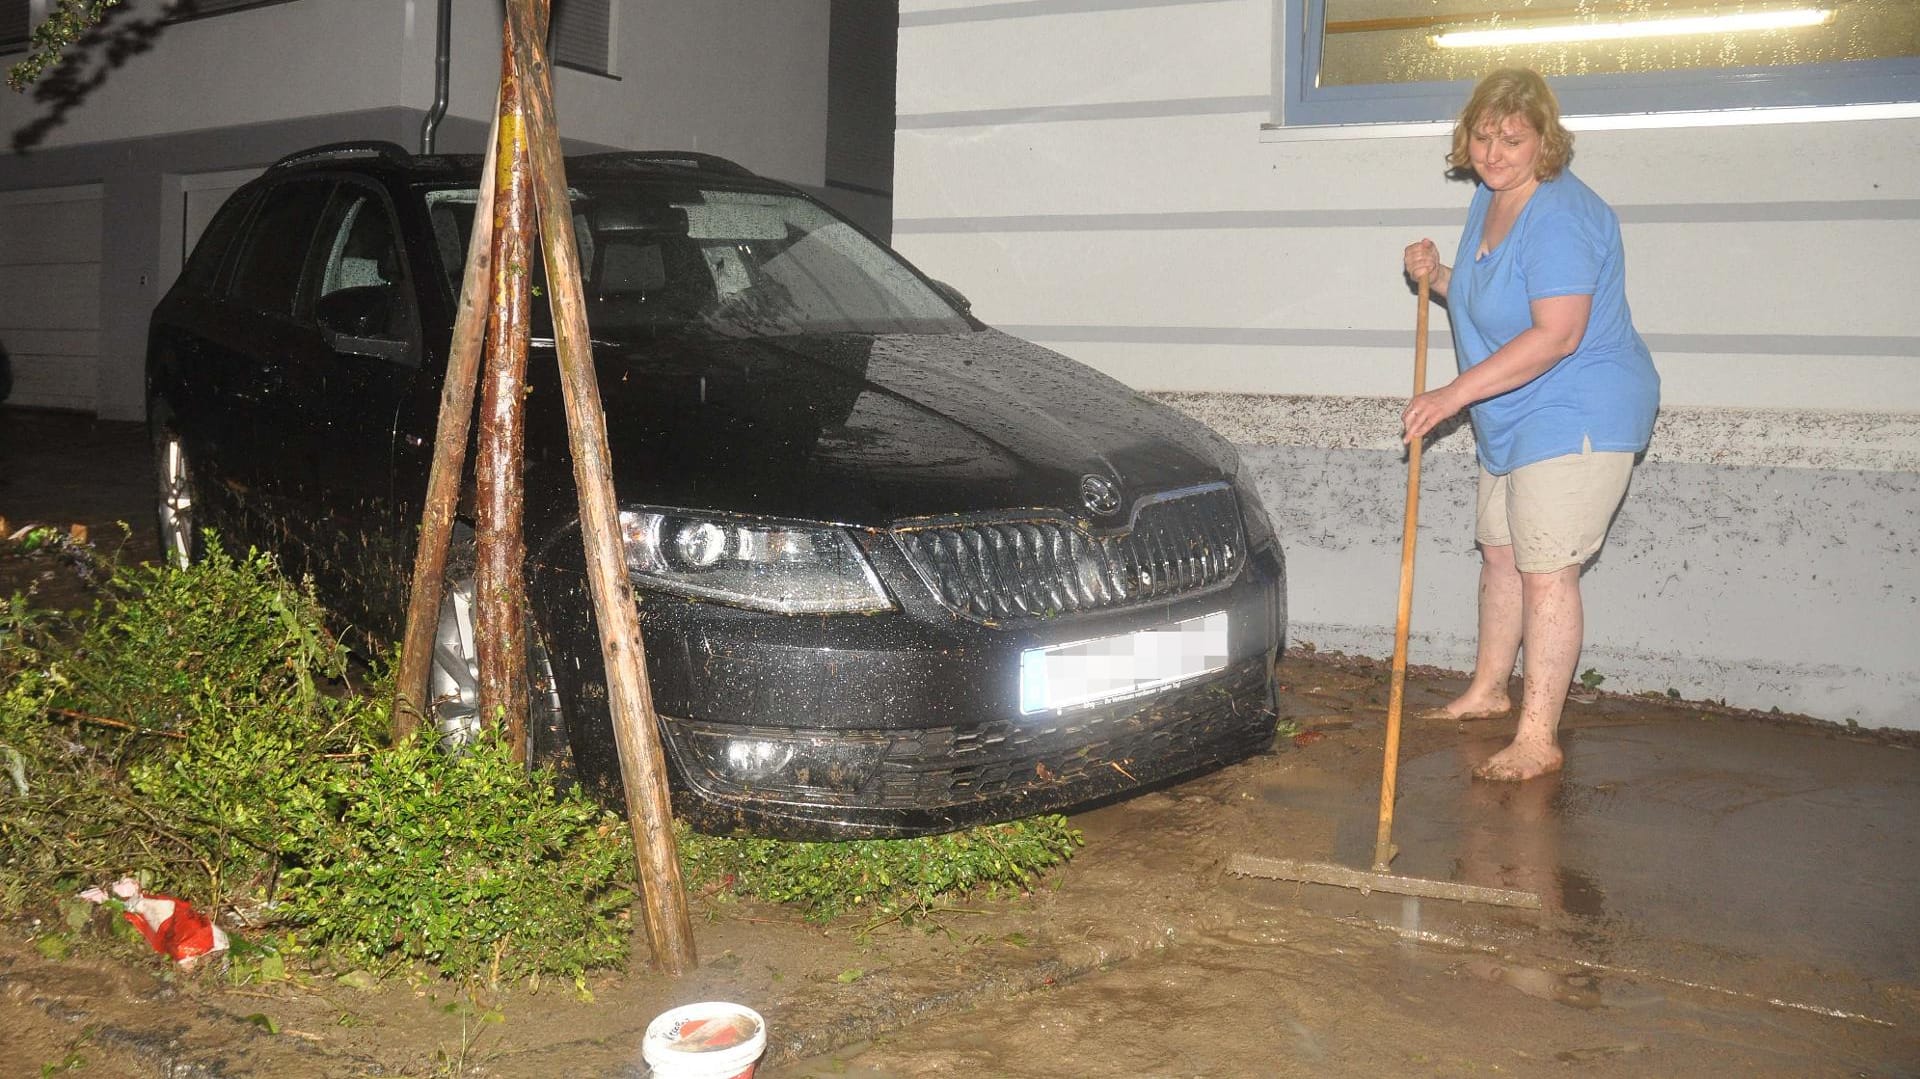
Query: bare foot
x=1521, y=761
x=1465, y=707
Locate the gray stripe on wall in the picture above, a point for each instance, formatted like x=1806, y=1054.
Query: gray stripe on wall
x=1699, y=213
x=1021, y=9
x=1099, y=110
x=1756, y=344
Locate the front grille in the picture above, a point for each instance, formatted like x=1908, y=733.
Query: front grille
x=1007, y=570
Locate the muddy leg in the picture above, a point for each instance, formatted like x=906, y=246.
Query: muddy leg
x=1553, y=628
x=1501, y=624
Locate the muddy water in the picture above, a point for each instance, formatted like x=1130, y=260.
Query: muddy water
x=1722, y=896
x=1275, y=997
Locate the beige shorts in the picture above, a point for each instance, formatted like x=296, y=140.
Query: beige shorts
x=1555, y=512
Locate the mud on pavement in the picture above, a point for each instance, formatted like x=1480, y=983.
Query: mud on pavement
x=1142, y=927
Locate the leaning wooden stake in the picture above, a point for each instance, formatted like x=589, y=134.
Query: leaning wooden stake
x=500, y=589
x=636, y=732
x=411, y=685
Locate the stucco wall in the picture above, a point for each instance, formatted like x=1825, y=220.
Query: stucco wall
x=738, y=78
x=1111, y=192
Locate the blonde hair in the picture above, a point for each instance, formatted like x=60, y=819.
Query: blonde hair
x=1515, y=92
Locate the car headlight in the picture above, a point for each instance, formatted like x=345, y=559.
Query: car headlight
x=767, y=566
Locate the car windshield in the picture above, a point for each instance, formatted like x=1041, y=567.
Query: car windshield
x=658, y=256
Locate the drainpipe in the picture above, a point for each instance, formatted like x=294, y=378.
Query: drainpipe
x=442, y=55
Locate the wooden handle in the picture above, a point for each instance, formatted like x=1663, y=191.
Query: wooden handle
x=1383, y=848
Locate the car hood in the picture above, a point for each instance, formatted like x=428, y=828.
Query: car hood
x=866, y=429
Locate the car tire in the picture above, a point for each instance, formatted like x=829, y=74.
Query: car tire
x=181, y=544
x=454, y=676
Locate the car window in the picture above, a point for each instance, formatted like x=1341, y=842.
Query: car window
x=659, y=255
x=357, y=269
x=203, y=266
x=266, y=276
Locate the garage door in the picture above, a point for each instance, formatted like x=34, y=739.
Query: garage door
x=201, y=195
x=50, y=294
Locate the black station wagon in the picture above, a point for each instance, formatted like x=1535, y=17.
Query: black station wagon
x=898, y=572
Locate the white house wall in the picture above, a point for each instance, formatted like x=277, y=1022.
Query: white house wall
x=744, y=79
x=267, y=64
x=1094, y=175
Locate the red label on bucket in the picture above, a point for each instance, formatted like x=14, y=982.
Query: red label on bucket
x=709, y=1034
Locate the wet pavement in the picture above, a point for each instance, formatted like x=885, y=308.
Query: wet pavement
x=65, y=468
x=1724, y=892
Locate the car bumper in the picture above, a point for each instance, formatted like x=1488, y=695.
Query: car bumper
x=907, y=722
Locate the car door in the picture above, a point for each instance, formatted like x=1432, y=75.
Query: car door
x=259, y=385
x=360, y=312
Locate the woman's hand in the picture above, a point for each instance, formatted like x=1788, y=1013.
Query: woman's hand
x=1427, y=411
x=1422, y=259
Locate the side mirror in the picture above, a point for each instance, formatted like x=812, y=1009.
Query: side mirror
x=954, y=296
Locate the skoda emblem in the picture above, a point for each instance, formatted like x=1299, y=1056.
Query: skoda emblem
x=1099, y=494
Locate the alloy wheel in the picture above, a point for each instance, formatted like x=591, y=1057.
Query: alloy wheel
x=454, y=681
x=177, y=539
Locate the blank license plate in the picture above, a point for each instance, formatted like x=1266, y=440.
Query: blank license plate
x=1108, y=668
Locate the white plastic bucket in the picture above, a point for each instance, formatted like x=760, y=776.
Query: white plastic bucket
x=709, y=1040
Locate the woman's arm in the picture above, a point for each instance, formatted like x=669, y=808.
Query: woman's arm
x=1559, y=323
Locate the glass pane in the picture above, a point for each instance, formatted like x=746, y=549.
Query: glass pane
x=1390, y=41
x=268, y=272
x=666, y=256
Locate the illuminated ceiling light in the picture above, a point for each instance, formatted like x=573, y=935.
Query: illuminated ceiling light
x=1793, y=18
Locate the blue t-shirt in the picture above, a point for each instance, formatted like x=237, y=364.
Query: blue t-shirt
x=1566, y=242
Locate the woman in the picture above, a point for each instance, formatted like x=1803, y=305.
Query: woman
x=1561, y=389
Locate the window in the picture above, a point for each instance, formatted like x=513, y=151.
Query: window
x=16, y=24
x=194, y=9
x=360, y=285
x=266, y=275
x=580, y=35
x=1359, y=61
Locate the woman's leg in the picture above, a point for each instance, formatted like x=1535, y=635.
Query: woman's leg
x=1554, y=625
x=1501, y=625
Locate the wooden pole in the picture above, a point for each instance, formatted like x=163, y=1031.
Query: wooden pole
x=411, y=685
x=500, y=591
x=1383, y=848
x=636, y=732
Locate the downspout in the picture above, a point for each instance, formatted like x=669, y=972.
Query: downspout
x=442, y=57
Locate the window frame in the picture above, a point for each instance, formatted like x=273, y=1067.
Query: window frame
x=1299, y=103
x=35, y=13
x=403, y=346
x=224, y=9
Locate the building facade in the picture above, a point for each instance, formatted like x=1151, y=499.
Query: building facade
x=117, y=160
x=1170, y=191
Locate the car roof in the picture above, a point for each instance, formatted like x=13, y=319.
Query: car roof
x=390, y=158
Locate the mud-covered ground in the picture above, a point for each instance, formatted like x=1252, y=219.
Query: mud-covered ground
x=1140, y=958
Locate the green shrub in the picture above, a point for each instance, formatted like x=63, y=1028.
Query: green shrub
x=890, y=878
x=462, y=862
x=196, y=728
